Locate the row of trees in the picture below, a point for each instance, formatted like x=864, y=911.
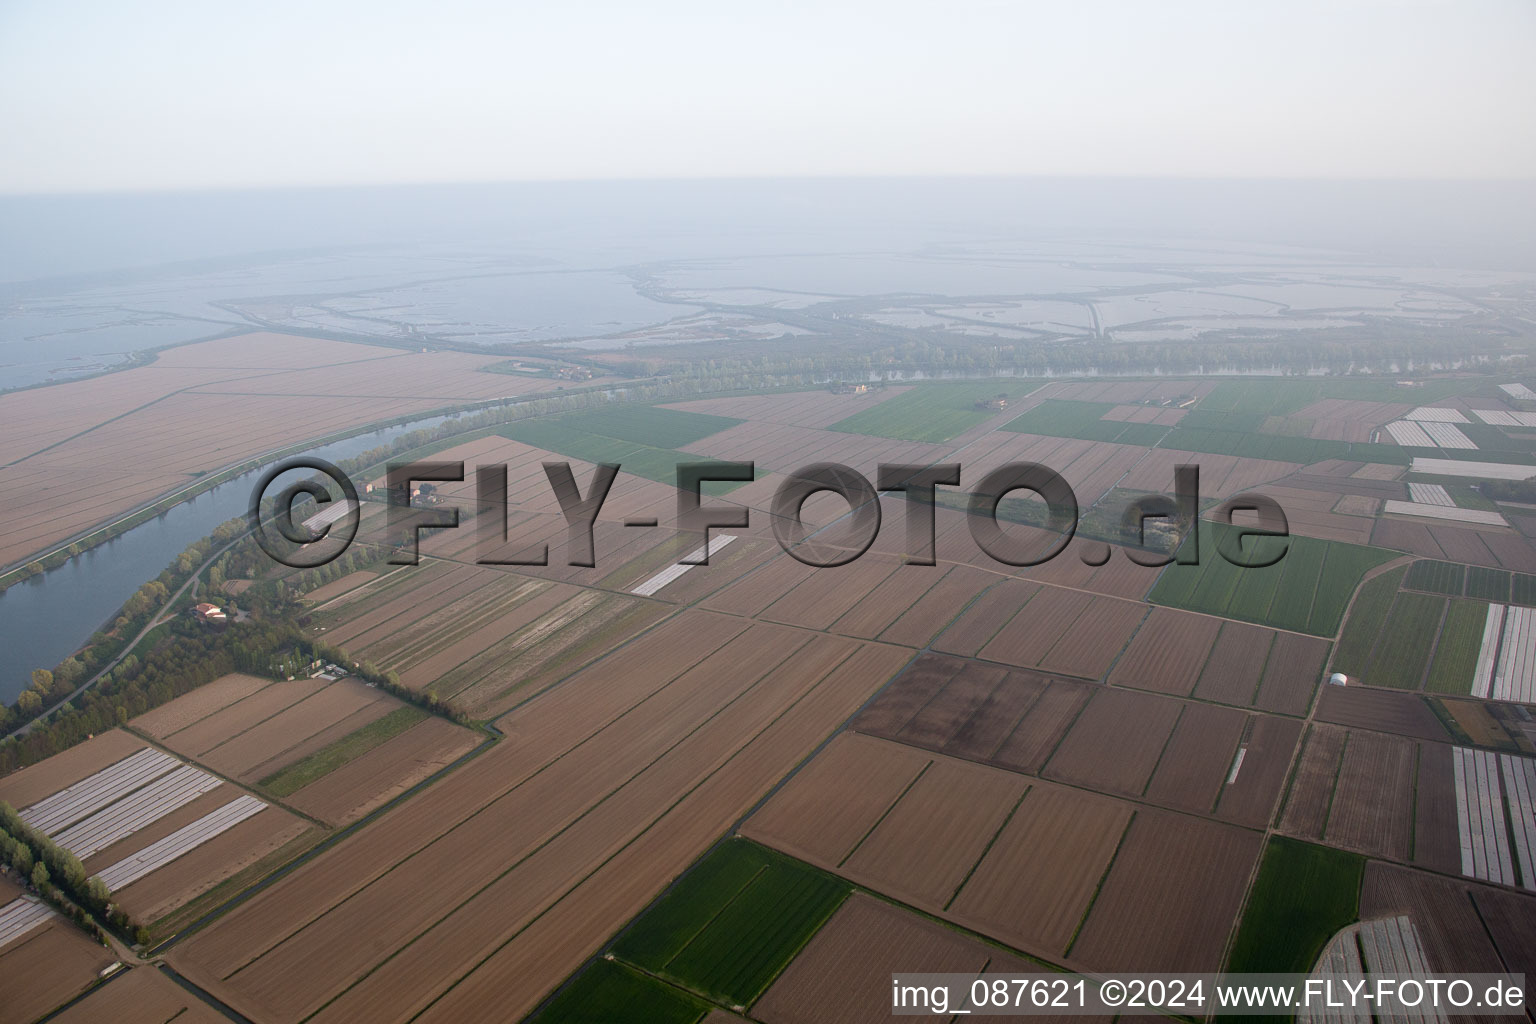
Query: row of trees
x=1337, y=351
x=59, y=877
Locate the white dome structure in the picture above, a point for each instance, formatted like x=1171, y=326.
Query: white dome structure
x=1338, y=679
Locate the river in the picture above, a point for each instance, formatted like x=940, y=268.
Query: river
x=46, y=618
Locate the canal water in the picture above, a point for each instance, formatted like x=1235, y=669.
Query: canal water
x=45, y=619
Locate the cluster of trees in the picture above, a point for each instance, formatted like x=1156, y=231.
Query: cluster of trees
x=59, y=877
x=1523, y=491
x=1338, y=351
x=49, y=687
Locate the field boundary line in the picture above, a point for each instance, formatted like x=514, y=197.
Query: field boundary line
x=1099, y=888
x=493, y=737
x=1163, y=751
x=886, y=813
x=1029, y=788
x=471, y=968
x=552, y=837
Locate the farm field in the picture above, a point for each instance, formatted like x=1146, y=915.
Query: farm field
x=972, y=863
x=479, y=637
x=159, y=831
x=647, y=441
x=100, y=447
x=332, y=750
x=45, y=967
x=143, y=995
x=931, y=413
x=1184, y=755
x=1305, y=591
x=717, y=793
x=1302, y=896
x=569, y=854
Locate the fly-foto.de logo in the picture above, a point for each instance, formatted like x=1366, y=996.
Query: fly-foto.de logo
x=1153, y=529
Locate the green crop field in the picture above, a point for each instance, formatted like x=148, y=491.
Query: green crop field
x=642, y=439
x=616, y=994
x=1213, y=432
x=1522, y=589
x=1366, y=621
x=931, y=412
x=1412, y=626
x=731, y=925
x=649, y=424
x=1276, y=396
x=1461, y=638
x=1083, y=420
x=1488, y=584
x=351, y=746
x=1435, y=577
x=1306, y=590
x=1303, y=895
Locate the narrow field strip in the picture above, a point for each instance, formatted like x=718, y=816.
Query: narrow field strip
x=1488, y=655
x=20, y=916
x=184, y=840
x=94, y=792
x=136, y=811
x=674, y=572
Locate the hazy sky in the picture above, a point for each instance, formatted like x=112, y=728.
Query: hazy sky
x=157, y=95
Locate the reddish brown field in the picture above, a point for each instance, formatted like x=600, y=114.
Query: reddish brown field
x=878, y=610
x=1306, y=808
x=1448, y=923
x=206, y=733
x=907, y=694
x=827, y=807
x=1167, y=653
x=826, y=595
x=1089, y=648
x=1171, y=898
x=1511, y=921
x=1193, y=769
x=1115, y=743
x=844, y=972
x=1293, y=673
x=930, y=840
x=953, y=707
x=1251, y=799
x=45, y=968
x=1373, y=801
x=1036, y=882
x=384, y=772
x=1435, y=829
x=198, y=704
x=200, y=869
x=26, y=787
x=267, y=746
x=1066, y=631
x=1231, y=674
x=96, y=448
x=555, y=859
x=142, y=995
x=519, y=972
x=938, y=606
x=1403, y=714
x=761, y=587
x=987, y=614
x=1013, y=719
x=995, y=719
x=1043, y=725
x=337, y=587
